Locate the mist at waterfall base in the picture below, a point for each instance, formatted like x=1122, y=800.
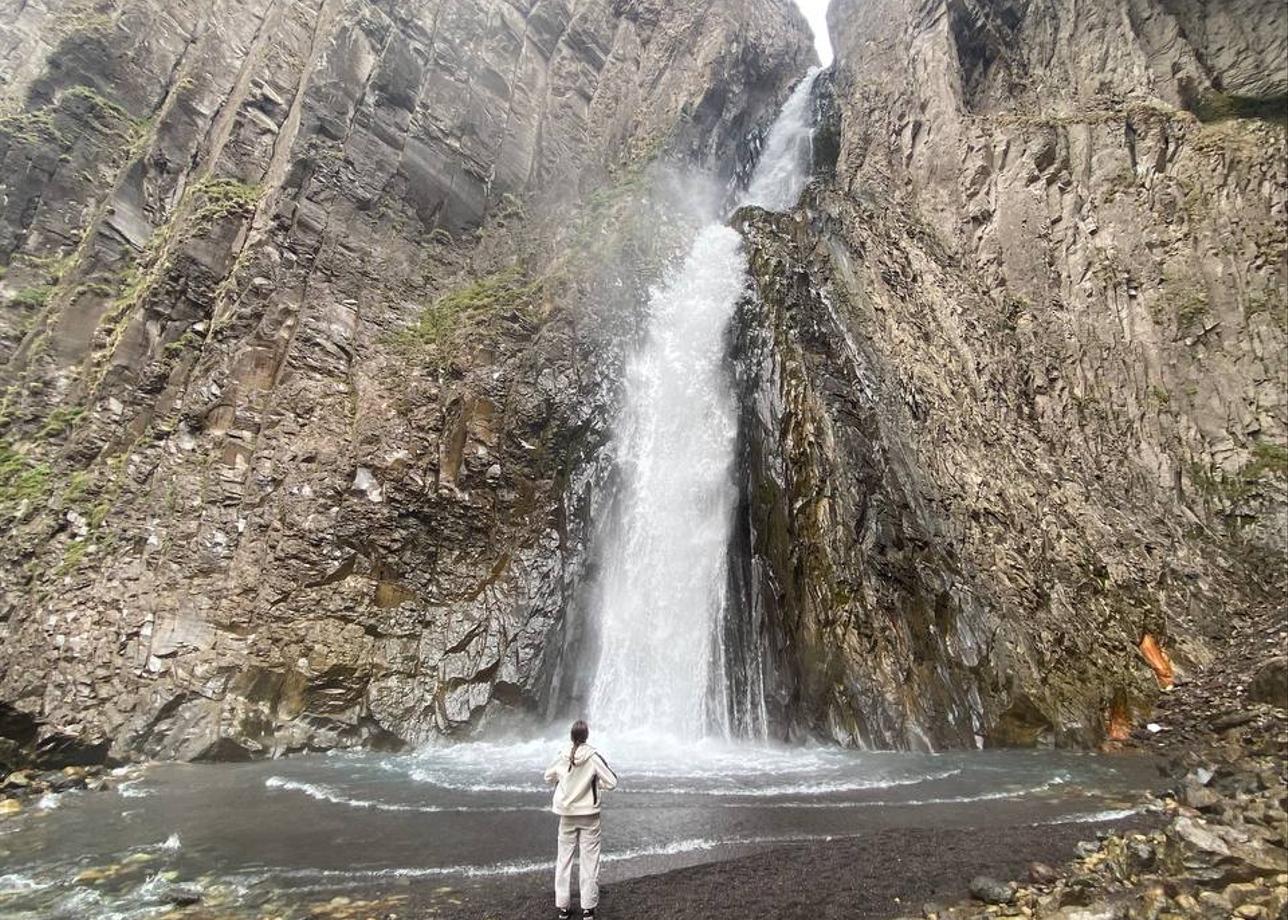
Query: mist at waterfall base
x=274, y=837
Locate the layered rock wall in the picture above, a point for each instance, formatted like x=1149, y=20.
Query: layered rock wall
x=1021, y=360
x=301, y=402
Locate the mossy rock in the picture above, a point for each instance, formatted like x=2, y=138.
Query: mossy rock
x=1225, y=106
x=505, y=292
x=21, y=478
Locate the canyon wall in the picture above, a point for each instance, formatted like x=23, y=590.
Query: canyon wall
x=310, y=323
x=313, y=316
x=1015, y=374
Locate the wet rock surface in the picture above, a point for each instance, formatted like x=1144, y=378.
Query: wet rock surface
x=21, y=788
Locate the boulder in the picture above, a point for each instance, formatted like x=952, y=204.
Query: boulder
x=991, y=891
x=1201, y=797
x=1042, y=874
x=183, y=895
x=1270, y=683
x=1224, y=854
x=1232, y=720
x=1141, y=856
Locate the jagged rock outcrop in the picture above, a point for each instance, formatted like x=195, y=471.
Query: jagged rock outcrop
x=1016, y=368
x=301, y=406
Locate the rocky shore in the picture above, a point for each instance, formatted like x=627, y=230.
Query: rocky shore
x=20, y=787
x=1223, y=851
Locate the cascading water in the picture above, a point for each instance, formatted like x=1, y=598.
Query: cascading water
x=661, y=592
x=782, y=172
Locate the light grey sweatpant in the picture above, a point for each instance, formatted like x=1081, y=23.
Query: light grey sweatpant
x=578, y=833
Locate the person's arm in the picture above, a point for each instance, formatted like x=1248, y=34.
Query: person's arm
x=556, y=771
x=607, y=778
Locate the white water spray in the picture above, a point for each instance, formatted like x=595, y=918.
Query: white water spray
x=662, y=590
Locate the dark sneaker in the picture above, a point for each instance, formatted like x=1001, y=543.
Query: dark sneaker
x=565, y=913
x=588, y=914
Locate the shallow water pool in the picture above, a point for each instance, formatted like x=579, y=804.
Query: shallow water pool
x=293, y=831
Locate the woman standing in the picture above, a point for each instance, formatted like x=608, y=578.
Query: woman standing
x=581, y=774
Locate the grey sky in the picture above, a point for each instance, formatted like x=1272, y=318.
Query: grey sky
x=816, y=12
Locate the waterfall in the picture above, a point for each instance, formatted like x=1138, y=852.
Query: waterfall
x=781, y=175
x=661, y=592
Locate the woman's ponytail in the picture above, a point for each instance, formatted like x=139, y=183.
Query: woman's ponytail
x=580, y=732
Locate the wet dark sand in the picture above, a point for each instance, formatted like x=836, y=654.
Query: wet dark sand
x=884, y=874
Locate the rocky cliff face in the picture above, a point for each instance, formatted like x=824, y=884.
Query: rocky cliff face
x=1015, y=374
x=302, y=408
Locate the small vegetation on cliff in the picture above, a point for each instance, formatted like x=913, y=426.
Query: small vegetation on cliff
x=190, y=339
x=1183, y=300
x=1225, y=106
x=224, y=197
x=60, y=420
x=83, y=20
x=1269, y=303
x=1268, y=460
x=35, y=128
x=21, y=479
x=79, y=111
x=103, y=115
x=1268, y=464
x=32, y=297
x=498, y=294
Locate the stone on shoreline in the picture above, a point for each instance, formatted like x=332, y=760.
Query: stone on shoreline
x=1042, y=874
x=991, y=891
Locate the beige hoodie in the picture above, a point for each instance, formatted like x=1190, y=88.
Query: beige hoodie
x=578, y=785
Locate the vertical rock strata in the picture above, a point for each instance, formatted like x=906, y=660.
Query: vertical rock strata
x=301, y=407
x=1015, y=374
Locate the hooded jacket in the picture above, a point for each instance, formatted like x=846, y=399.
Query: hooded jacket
x=578, y=786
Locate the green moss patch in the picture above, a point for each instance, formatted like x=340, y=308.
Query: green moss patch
x=219, y=198
x=1268, y=462
x=508, y=292
x=33, y=128
x=32, y=298
x=21, y=478
x=60, y=420
x=1225, y=106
